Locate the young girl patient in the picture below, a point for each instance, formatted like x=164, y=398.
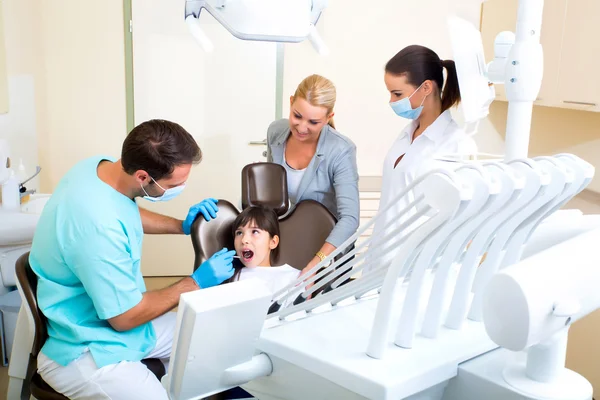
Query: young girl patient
x=256, y=240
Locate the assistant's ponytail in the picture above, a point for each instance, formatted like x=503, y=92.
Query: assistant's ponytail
x=451, y=92
x=418, y=64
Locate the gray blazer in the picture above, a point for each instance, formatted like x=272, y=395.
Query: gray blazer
x=331, y=178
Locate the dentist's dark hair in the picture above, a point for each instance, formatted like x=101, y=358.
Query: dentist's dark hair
x=264, y=219
x=157, y=147
x=418, y=64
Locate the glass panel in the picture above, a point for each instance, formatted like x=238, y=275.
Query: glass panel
x=225, y=99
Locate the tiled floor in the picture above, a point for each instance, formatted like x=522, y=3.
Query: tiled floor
x=584, y=350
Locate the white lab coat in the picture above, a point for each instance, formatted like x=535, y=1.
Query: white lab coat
x=444, y=136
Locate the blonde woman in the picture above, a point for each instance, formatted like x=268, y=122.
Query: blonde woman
x=320, y=162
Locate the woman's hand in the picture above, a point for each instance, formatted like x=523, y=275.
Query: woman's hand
x=325, y=250
x=308, y=274
x=311, y=264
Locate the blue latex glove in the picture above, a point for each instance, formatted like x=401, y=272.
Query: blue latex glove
x=207, y=207
x=215, y=270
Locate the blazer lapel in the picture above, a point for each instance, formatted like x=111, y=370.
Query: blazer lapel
x=311, y=170
x=308, y=176
x=277, y=153
x=278, y=146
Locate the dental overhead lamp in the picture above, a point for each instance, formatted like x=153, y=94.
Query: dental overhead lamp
x=285, y=21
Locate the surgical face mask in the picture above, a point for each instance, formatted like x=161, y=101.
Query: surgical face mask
x=404, y=109
x=168, y=194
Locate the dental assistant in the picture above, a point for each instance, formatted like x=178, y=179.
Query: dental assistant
x=415, y=80
x=320, y=162
x=86, y=253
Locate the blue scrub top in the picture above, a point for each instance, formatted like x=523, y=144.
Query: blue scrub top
x=86, y=252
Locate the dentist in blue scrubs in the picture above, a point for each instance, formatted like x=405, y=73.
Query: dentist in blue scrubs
x=86, y=252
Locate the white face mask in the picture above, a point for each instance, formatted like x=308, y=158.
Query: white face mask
x=168, y=194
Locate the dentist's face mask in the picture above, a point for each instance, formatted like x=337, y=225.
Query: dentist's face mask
x=168, y=194
x=404, y=109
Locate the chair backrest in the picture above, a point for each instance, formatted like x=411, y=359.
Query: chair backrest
x=210, y=237
x=265, y=184
x=303, y=232
x=28, y=281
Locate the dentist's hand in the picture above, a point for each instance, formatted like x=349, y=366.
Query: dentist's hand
x=215, y=270
x=207, y=207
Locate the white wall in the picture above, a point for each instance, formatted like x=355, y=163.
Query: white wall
x=3, y=72
x=69, y=56
x=361, y=42
x=18, y=125
x=84, y=76
x=25, y=83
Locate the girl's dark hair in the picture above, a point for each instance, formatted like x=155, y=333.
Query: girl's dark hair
x=419, y=64
x=265, y=219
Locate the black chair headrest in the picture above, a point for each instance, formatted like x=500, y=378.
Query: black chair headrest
x=210, y=237
x=265, y=184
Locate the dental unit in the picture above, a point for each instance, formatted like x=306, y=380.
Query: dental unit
x=426, y=313
x=406, y=328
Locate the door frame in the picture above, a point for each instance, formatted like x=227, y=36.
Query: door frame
x=128, y=34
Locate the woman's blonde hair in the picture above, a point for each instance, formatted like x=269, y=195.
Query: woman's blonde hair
x=318, y=91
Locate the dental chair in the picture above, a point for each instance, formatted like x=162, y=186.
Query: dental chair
x=34, y=384
x=303, y=228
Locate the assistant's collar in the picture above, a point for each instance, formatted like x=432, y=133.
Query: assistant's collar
x=409, y=129
x=435, y=131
